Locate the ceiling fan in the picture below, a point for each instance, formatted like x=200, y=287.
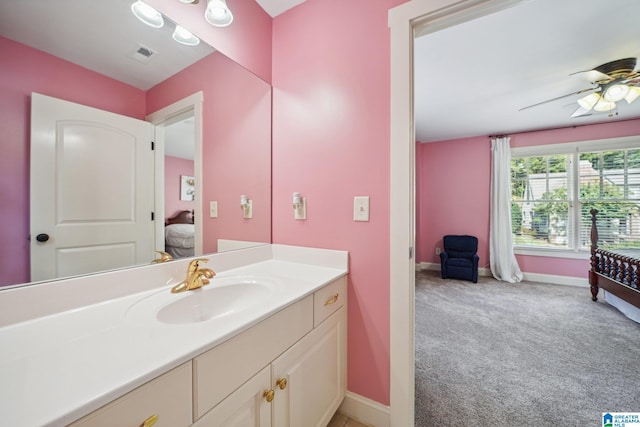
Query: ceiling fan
x=611, y=82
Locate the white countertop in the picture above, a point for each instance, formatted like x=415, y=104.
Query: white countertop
x=58, y=368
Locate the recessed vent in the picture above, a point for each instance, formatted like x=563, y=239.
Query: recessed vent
x=144, y=51
x=142, y=54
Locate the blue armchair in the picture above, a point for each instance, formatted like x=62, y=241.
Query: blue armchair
x=459, y=259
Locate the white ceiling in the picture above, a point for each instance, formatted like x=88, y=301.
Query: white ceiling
x=276, y=7
x=99, y=35
x=472, y=79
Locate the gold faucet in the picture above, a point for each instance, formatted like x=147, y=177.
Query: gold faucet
x=164, y=257
x=196, y=277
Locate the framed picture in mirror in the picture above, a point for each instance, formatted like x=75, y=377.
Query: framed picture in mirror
x=187, y=188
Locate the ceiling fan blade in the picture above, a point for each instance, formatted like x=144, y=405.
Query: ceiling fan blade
x=631, y=78
x=593, y=75
x=595, y=89
x=581, y=112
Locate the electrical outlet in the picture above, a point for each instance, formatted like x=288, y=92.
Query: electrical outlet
x=437, y=251
x=213, y=209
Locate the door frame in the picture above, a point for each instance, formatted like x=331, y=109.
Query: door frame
x=158, y=118
x=407, y=21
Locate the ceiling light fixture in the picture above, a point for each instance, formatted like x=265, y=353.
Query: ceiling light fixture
x=589, y=101
x=616, y=92
x=147, y=14
x=604, y=105
x=218, y=13
x=634, y=93
x=611, y=93
x=184, y=36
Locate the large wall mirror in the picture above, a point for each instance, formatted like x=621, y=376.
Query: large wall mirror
x=98, y=55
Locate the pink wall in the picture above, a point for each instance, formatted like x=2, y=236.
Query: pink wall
x=174, y=167
x=236, y=144
x=463, y=206
x=331, y=130
x=247, y=40
x=25, y=70
x=453, y=182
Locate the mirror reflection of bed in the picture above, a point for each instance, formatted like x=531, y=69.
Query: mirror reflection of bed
x=178, y=234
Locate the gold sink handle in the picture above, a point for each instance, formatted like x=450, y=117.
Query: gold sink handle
x=164, y=257
x=196, y=277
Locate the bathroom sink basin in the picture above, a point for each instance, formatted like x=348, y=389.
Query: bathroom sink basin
x=223, y=297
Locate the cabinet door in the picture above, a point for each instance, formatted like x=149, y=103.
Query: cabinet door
x=245, y=407
x=315, y=374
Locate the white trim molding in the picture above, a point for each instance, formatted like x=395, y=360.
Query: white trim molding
x=415, y=17
x=482, y=271
x=551, y=279
x=364, y=410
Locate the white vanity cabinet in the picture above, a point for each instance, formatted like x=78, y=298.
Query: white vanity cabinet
x=163, y=402
x=302, y=385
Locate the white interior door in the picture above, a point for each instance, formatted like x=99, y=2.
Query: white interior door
x=91, y=189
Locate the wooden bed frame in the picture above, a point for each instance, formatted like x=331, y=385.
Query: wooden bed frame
x=613, y=272
x=182, y=217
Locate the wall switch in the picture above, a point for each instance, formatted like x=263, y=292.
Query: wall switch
x=361, y=208
x=247, y=212
x=437, y=251
x=300, y=212
x=213, y=209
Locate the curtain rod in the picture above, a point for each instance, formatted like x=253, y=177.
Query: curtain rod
x=563, y=127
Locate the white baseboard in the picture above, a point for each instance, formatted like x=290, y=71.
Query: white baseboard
x=365, y=410
x=532, y=277
x=557, y=280
x=436, y=267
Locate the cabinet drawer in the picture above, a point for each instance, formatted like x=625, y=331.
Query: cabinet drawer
x=168, y=397
x=224, y=368
x=328, y=299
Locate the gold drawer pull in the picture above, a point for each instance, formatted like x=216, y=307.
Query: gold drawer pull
x=150, y=421
x=268, y=395
x=332, y=300
x=282, y=383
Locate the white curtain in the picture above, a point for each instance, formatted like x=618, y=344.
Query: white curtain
x=504, y=265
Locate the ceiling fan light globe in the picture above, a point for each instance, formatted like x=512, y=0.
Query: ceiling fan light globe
x=616, y=92
x=587, y=102
x=604, y=105
x=147, y=14
x=634, y=93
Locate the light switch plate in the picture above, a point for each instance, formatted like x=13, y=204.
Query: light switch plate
x=361, y=208
x=213, y=209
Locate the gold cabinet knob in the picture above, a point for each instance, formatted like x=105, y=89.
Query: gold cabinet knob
x=332, y=300
x=150, y=421
x=268, y=395
x=282, y=383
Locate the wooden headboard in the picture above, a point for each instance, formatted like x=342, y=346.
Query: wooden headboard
x=182, y=217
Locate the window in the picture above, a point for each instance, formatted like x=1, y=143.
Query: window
x=554, y=188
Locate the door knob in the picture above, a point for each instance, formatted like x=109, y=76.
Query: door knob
x=42, y=237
